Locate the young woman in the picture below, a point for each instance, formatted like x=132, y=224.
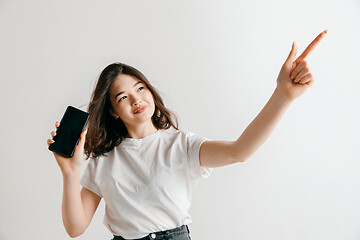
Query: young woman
x=144, y=169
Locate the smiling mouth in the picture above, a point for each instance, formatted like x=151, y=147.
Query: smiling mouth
x=140, y=110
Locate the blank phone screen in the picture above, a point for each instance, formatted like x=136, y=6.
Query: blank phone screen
x=68, y=133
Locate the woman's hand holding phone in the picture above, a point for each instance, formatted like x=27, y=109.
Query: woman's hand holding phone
x=73, y=164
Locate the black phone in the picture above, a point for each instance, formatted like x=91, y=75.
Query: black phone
x=68, y=133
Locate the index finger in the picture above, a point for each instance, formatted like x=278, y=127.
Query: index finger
x=311, y=47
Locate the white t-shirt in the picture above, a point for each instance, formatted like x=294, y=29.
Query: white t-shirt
x=147, y=183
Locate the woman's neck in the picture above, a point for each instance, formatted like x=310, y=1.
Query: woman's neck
x=141, y=132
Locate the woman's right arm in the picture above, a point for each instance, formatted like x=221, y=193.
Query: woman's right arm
x=78, y=208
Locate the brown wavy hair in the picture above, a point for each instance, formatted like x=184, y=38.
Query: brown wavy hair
x=104, y=131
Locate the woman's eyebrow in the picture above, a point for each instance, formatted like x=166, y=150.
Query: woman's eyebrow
x=123, y=91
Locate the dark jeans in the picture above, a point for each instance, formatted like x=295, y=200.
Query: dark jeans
x=179, y=233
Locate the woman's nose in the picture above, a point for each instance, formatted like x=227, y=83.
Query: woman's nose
x=137, y=101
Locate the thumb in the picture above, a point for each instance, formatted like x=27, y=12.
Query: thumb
x=292, y=55
x=83, y=137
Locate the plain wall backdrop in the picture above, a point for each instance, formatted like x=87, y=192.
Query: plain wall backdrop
x=215, y=64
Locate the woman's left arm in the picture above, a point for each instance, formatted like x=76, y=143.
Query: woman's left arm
x=221, y=153
x=293, y=80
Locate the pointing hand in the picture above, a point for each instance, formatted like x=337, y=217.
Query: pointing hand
x=295, y=76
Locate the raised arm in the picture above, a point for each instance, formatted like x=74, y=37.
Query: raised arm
x=78, y=208
x=221, y=153
x=293, y=80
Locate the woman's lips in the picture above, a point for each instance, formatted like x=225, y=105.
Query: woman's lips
x=140, y=110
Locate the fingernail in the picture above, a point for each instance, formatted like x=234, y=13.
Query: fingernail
x=52, y=141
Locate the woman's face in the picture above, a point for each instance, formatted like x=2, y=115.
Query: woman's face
x=127, y=94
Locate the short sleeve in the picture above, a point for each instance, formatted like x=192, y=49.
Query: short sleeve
x=88, y=177
x=193, y=142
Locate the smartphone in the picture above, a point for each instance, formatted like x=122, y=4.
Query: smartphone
x=68, y=133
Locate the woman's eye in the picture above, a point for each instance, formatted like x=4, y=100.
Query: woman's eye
x=125, y=96
x=121, y=98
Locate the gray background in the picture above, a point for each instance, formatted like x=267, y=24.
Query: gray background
x=215, y=63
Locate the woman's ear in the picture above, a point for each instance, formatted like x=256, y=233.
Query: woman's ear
x=112, y=112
